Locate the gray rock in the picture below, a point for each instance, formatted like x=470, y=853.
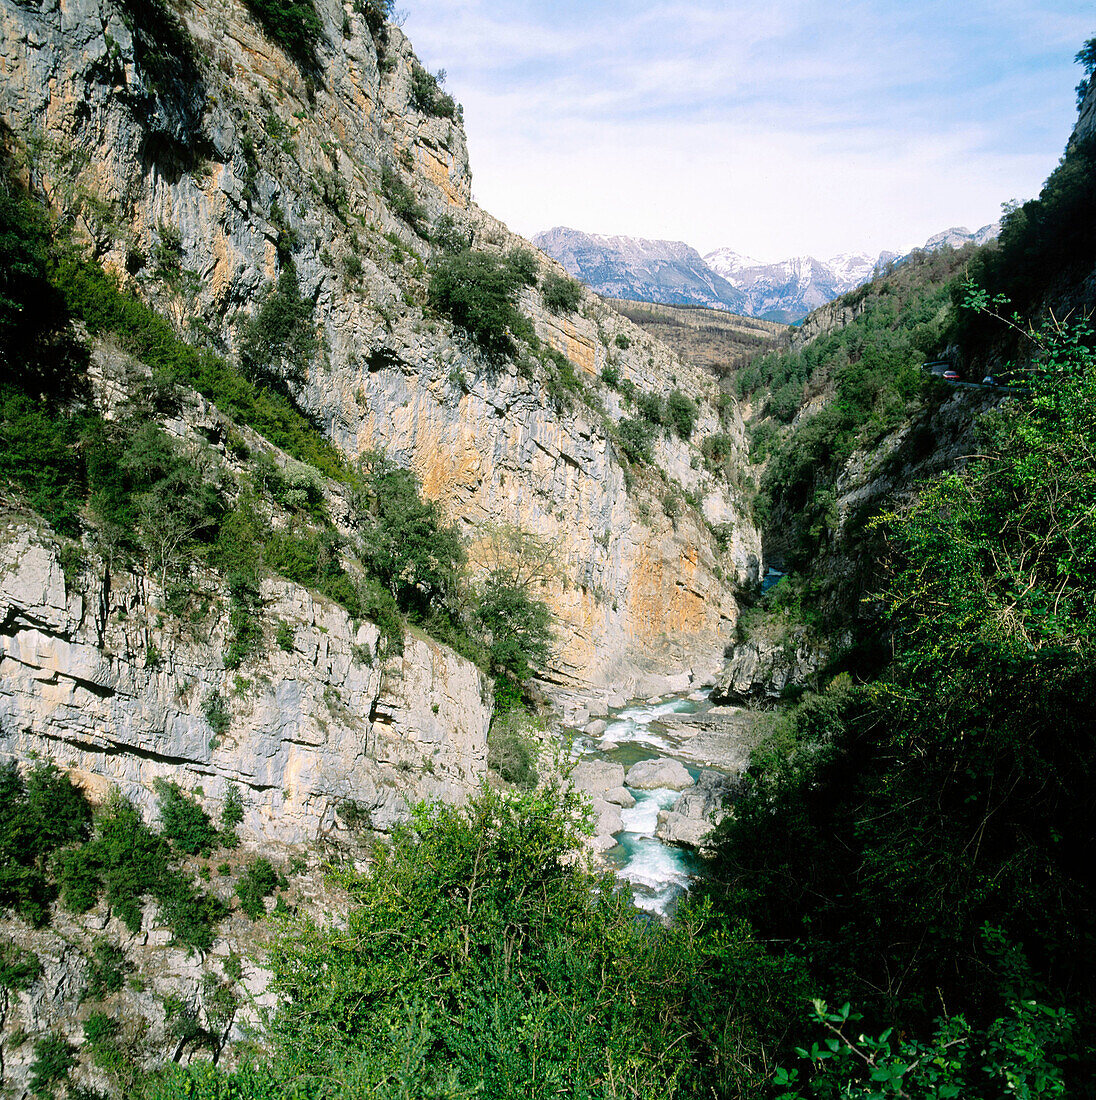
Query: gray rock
x=621, y=796
x=595, y=728
x=758, y=671
x=648, y=775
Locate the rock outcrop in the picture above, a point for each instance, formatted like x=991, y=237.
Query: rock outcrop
x=94, y=677
x=250, y=164
x=692, y=817
x=758, y=671
x=662, y=773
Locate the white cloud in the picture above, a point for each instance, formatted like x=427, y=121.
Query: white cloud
x=774, y=129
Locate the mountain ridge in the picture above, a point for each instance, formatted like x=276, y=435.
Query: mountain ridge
x=674, y=273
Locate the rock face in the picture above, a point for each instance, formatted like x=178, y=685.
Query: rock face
x=693, y=816
x=82, y=680
x=758, y=671
x=247, y=165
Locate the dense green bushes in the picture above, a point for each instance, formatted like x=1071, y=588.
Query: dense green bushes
x=932, y=823
x=478, y=292
x=870, y=371
x=428, y=96
x=481, y=958
x=49, y=846
x=561, y=293
x=400, y=198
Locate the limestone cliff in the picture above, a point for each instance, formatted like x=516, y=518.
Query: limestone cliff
x=241, y=162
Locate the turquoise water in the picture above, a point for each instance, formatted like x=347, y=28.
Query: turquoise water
x=658, y=874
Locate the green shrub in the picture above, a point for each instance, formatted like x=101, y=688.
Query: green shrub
x=512, y=748
x=258, y=881
x=183, y=821
x=622, y=341
x=400, y=198
x=477, y=292
x=284, y=636
x=107, y=966
x=18, y=967
x=561, y=293
x=610, y=375
x=652, y=408
x=53, y=1059
x=681, y=414
x=427, y=94
x=217, y=713
x=375, y=12
x=637, y=439
x=717, y=449
x=449, y=236
x=406, y=545
x=280, y=339
x=294, y=25
x=39, y=815
x=523, y=265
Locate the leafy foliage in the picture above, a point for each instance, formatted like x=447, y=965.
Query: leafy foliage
x=427, y=94
x=681, y=414
x=183, y=822
x=39, y=814
x=482, y=958
x=478, y=292
x=400, y=198
x=561, y=293
x=637, y=439
x=294, y=25
x=280, y=339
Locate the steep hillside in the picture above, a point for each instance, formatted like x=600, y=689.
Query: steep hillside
x=710, y=338
x=203, y=188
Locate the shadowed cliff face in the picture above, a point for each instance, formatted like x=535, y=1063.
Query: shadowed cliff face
x=200, y=193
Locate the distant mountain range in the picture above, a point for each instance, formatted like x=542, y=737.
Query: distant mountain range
x=674, y=273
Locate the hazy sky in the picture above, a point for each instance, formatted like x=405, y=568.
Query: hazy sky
x=773, y=127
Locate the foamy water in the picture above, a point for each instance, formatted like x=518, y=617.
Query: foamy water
x=657, y=873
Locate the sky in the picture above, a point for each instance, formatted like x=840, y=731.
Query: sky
x=774, y=127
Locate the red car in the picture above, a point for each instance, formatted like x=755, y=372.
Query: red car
x=951, y=376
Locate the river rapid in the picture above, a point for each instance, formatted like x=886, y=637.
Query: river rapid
x=658, y=873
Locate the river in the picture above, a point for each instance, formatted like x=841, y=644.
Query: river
x=658, y=873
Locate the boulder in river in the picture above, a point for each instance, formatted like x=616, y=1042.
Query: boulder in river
x=649, y=774
x=621, y=797
x=697, y=811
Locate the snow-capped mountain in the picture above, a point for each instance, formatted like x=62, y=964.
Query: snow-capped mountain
x=649, y=271
x=674, y=273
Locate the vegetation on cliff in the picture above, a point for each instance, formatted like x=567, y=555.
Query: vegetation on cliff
x=135, y=493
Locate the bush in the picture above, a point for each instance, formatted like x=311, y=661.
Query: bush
x=523, y=265
x=478, y=292
x=652, y=408
x=294, y=25
x=449, y=236
x=561, y=293
x=53, y=1058
x=280, y=339
x=259, y=881
x=717, y=449
x=637, y=438
x=512, y=749
x=427, y=95
x=39, y=815
x=183, y=821
x=681, y=414
x=406, y=545
x=400, y=198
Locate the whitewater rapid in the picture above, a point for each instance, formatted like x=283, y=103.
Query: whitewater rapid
x=658, y=874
